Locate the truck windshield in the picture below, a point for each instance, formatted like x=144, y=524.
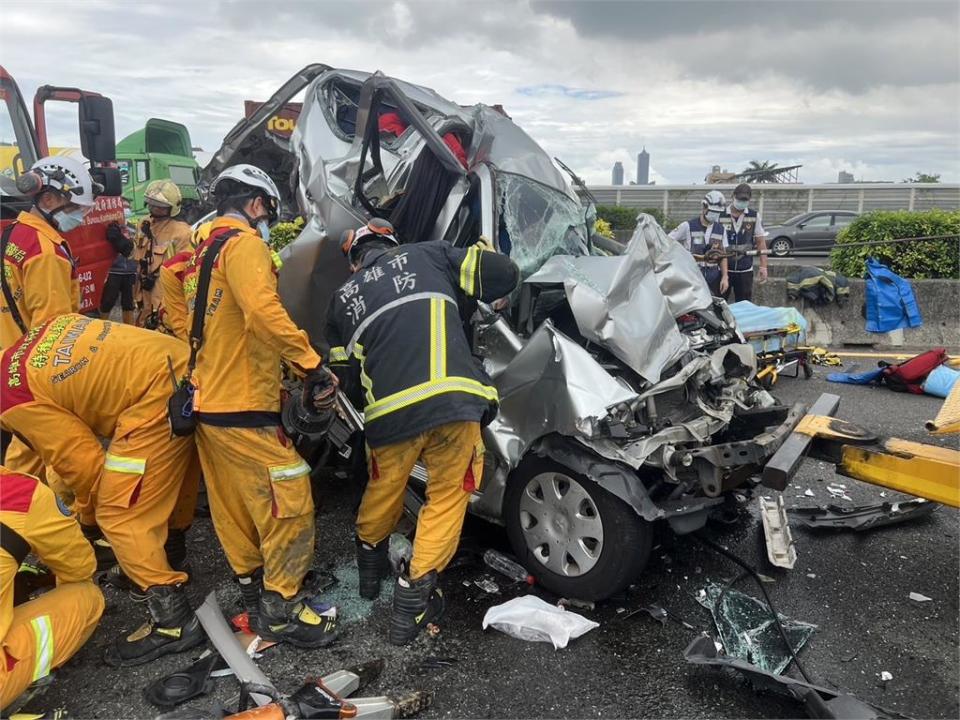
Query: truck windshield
x=17, y=147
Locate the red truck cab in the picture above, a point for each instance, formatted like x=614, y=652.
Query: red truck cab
x=22, y=142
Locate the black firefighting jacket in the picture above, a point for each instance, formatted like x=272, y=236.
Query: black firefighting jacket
x=398, y=316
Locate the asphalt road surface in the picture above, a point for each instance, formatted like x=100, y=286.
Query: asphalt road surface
x=854, y=587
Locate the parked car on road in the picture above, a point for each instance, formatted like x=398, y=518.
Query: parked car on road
x=808, y=232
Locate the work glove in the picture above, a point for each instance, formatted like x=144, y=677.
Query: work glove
x=120, y=242
x=319, y=389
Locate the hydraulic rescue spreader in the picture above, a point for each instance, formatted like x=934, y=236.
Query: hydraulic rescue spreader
x=926, y=471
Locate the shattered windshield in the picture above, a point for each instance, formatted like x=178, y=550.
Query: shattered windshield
x=538, y=222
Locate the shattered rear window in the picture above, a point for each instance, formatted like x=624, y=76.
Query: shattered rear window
x=539, y=223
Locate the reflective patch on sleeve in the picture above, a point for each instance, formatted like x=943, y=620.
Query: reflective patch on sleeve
x=277, y=262
x=118, y=463
x=43, y=652
x=338, y=354
x=289, y=472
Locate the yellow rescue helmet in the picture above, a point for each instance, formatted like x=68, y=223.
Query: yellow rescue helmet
x=164, y=193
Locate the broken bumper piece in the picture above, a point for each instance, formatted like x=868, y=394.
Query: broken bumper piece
x=863, y=517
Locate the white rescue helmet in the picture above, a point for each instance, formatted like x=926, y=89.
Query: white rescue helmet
x=714, y=201
x=254, y=178
x=69, y=177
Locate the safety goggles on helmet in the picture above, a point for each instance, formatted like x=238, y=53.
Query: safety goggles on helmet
x=376, y=229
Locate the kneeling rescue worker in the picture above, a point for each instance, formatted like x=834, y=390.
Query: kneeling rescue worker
x=59, y=394
x=41, y=634
x=426, y=397
x=257, y=485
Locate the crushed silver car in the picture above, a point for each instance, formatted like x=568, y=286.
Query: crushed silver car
x=627, y=395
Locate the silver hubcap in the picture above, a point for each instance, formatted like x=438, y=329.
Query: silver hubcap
x=781, y=248
x=561, y=524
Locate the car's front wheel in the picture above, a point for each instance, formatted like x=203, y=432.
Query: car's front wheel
x=781, y=246
x=574, y=537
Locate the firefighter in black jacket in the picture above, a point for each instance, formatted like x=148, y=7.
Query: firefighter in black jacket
x=425, y=398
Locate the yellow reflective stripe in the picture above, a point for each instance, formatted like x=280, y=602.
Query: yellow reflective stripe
x=438, y=339
x=338, y=354
x=43, y=651
x=365, y=380
x=426, y=390
x=468, y=270
x=289, y=472
x=277, y=262
x=117, y=463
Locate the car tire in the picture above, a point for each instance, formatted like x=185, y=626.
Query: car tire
x=603, y=567
x=781, y=247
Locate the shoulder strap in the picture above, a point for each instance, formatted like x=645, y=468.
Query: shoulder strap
x=200, y=303
x=13, y=543
x=7, y=294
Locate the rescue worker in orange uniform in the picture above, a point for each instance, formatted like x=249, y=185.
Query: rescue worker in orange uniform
x=159, y=237
x=61, y=394
x=41, y=634
x=426, y=398
x=173, y=305
x=257, y=484
x=39, y=271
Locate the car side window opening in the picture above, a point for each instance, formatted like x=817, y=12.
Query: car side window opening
x=818, y=221
x=843, y=220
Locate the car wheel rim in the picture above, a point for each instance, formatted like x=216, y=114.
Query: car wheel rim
x=780, y=248
x=561, y=524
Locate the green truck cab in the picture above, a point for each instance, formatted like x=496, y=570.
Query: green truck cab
x=159, y=150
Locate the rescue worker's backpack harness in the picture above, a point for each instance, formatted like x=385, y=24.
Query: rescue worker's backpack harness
x=180, y=410
x=7, y=294
x=13, y=543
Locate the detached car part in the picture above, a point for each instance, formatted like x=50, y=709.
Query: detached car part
x=864, y=517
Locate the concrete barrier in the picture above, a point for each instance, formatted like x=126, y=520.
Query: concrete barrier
x=836, y=326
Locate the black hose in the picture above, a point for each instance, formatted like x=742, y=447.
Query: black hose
x=753, y=573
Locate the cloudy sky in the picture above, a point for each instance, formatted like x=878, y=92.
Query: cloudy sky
x=865, y=86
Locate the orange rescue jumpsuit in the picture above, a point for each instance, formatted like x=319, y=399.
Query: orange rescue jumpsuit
x=170, y=236
x=258, y=486
x=44, y=633
x=42, y=277
x=60, y=392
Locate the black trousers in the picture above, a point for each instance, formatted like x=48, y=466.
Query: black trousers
x=741, y=286
x=118, y=286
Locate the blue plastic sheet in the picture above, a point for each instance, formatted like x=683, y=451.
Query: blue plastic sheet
x=757, y=318
x=940, y=381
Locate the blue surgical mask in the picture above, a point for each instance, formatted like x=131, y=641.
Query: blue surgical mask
x=712, y=216
x=263, y=227
x=67, y=221
x=741, y=204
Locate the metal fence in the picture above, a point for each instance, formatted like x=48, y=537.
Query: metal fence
x=776, y=203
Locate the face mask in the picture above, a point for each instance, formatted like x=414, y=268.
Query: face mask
x=263, y=227
x=741, y=204
x=67, y=221
x=712, y=215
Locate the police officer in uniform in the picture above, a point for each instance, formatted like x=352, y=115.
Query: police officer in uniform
x=704, y=233
x=746, y=233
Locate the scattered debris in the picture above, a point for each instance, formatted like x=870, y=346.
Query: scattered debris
x=839, y=491
x=765, y=578
x=487, y=585
x=530, y=618
x=819, y=702
x=434, y=663
x=178, y=687
x=574, y=603
x=748, y=631
x=808, y=492
x=864, y=517
x=433, y=630
x=919, y=598
x=812, y=576
x=886, y=676
x=781, y=551
x=507, y=567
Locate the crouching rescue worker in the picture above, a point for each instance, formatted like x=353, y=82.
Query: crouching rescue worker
x=60, y=395
x=41, y=634
x=704, y=233
x=257, y=485
x=39, y=272
x=426, y=397
x=160, y=236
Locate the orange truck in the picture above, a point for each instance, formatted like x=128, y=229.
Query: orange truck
x=23, y=141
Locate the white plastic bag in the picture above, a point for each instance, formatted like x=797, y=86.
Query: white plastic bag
x=530, y=618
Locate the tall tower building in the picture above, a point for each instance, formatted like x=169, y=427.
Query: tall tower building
x=617, y=178
x=643, y=167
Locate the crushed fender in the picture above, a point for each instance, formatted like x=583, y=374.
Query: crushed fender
x=863, y=517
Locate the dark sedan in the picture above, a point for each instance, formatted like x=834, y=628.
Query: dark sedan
x=809, y=232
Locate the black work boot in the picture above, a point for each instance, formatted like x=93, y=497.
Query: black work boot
x=297, y=621
x=373, y=564
x=176, y=549
x=415, y=603
x=251, y=587
x=102, y=549
x=172, y=628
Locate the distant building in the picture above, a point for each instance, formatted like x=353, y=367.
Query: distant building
x=716, y=175
x=845, y=177
x=617, y=178
x=643, y=167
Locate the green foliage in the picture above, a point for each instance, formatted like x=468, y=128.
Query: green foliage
x=920, y=260
x=284, y=233
x=602, y=227
x=625, y=219
x=923, y=178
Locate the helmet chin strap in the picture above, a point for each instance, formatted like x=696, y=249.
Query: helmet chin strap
x=48, y=216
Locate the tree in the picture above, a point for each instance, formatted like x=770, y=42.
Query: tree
x=758, y=172
x=923, y=178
